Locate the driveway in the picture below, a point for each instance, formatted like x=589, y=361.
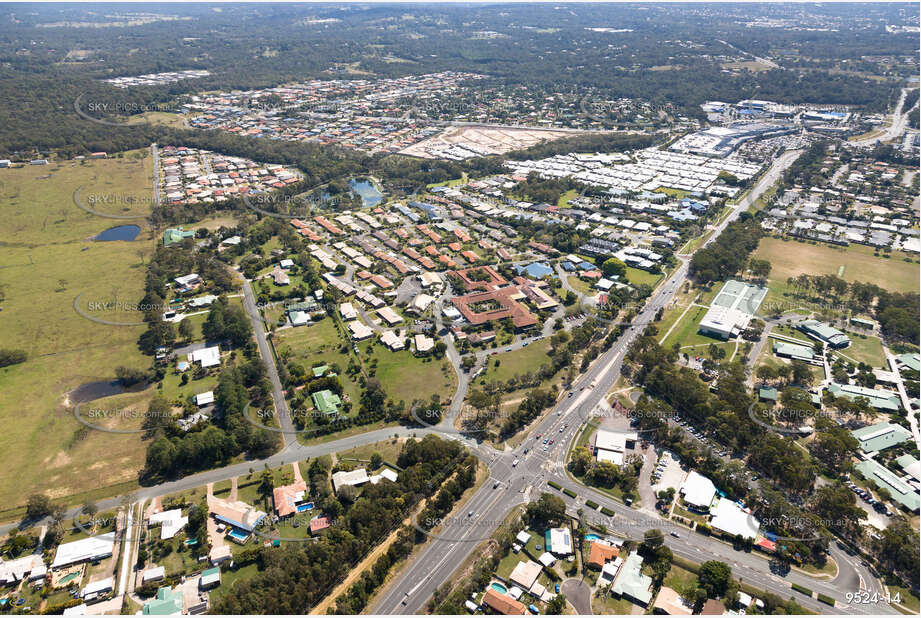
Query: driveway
x=579, y=595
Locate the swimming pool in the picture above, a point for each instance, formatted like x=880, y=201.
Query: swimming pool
x=592, y=537
x=499, y=587
x=238, y=535
x=305, y=507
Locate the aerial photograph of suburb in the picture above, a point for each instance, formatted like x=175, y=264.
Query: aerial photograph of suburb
x=496, y=307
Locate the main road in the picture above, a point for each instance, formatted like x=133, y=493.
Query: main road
x=896, y=127
x=525, y=470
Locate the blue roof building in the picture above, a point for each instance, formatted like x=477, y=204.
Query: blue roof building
x=536, y=270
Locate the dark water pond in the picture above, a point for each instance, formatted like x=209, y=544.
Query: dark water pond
x=121, y=232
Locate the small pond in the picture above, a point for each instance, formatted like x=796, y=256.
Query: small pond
x=121, y=232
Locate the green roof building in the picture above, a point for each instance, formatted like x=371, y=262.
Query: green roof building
x=824, y=332
x=210, y=578
x=631, y=583
x=175, y=235
x=911, y=360
x=795, y=351
x=886, y=401
x=319, y=371
x=326, y=402
x=167, y=603
x=880, y=436
x=767, y=394
x=862, y=323
x=901, y=492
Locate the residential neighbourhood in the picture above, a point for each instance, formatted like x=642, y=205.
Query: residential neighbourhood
x=561, y=309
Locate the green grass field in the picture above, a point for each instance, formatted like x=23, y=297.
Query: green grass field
x=565, y=198
x=583, y=287
x=520, y=361
x=680, y=579
x=48, y=260
x=388, y=449
x=790, y=258
x=405, y=377
x=685, y=332
x=639, y=277
x=866, y=349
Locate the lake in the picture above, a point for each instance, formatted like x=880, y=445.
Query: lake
x=369, y=195
x=122, y=232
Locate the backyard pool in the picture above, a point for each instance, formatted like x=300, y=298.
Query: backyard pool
x=499, y=587
x=305, y=507
x=68, y=578
x=592, y=537
x=238, y=535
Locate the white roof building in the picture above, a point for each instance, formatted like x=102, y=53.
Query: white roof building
x=560, y=541
x=698, y=491
x=204, y=399
x=350, y=479
x=85, y=550
x=94, y=589
x=611, y=445
x=392, y=341
x=348, y=311
x=171, y=522
x=423, y=343
x=525, y=574
x=390, y=316
x=421, y=302
x=359, y=331
x=187, y=279
x=153, y=574
x=729, y=517
x=208, y=357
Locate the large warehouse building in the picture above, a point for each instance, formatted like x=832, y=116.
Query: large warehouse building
x=732, y=309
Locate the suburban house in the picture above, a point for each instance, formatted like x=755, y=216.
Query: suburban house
x=423, y=344
x=600, y=553
x=631, y=584
x=352, y=478
x=525, y=574
x=240, y=516
x=89, y=549
x=168, y=602
x=558, y=541
x=170, y=522
x=326, y=402
x=503, y=604
x=670, y=603
x=173, y=236
x=210, y=578
x=208, y=357
x=288, y=498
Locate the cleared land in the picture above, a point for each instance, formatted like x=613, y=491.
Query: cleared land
x=49, y=259
x=494, y=140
